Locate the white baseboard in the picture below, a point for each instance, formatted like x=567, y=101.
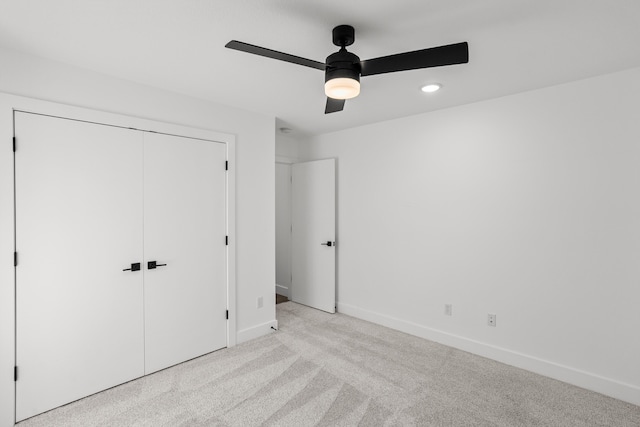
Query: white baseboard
x=619, y=390
x=256, y=331
x=282, y=290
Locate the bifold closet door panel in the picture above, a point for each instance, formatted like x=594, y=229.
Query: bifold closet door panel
x=79, y=215
x=184, y=228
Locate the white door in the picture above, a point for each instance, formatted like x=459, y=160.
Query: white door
x=79, y=225
x=185, y=229
x=313, y=236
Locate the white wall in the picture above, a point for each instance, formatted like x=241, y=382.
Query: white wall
x=526, y=206
x=287, y=147
x=255, y=147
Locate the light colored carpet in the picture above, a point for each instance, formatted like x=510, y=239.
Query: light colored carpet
x=333, y=370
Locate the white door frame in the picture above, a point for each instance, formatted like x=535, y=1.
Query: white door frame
x=10, y=103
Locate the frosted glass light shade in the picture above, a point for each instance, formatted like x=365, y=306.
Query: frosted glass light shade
x=342, y=88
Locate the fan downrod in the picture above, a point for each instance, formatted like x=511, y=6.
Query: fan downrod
x=343, y=35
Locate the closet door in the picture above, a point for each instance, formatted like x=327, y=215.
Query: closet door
x=79, y=211
x=184, y=228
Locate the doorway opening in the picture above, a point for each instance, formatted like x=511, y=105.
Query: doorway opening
x=305, y=233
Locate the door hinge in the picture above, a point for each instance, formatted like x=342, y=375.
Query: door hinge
x=226, y=240
x=15, y=373
x=14, y=144
x=226, y=165
x=15, y=259
x=227, y=314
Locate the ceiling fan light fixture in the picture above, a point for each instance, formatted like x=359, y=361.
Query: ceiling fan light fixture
x=342, y=88
x=430, y=88
x=343, y=69
x=342, y=75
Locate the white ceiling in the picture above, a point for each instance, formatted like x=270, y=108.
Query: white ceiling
x=178, y=45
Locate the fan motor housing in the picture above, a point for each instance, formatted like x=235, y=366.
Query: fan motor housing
x=342, y=64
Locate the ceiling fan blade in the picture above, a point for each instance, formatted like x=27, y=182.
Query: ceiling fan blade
x=334, y=105
x=263, y=51
x=433, y=57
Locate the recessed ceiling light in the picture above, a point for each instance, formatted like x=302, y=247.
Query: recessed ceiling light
x=431, y=87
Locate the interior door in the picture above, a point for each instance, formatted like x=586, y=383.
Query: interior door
x=313, y=234
x=79, y=226
x=185, y=228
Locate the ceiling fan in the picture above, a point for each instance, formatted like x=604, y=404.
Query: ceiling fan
x=343, y=69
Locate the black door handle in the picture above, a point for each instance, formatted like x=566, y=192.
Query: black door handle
x=134, y=267
x=153, y=264
x=329, y=243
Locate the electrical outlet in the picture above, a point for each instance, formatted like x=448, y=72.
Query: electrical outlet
x=447, y=309
x=491, y=319
x=260, y=303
